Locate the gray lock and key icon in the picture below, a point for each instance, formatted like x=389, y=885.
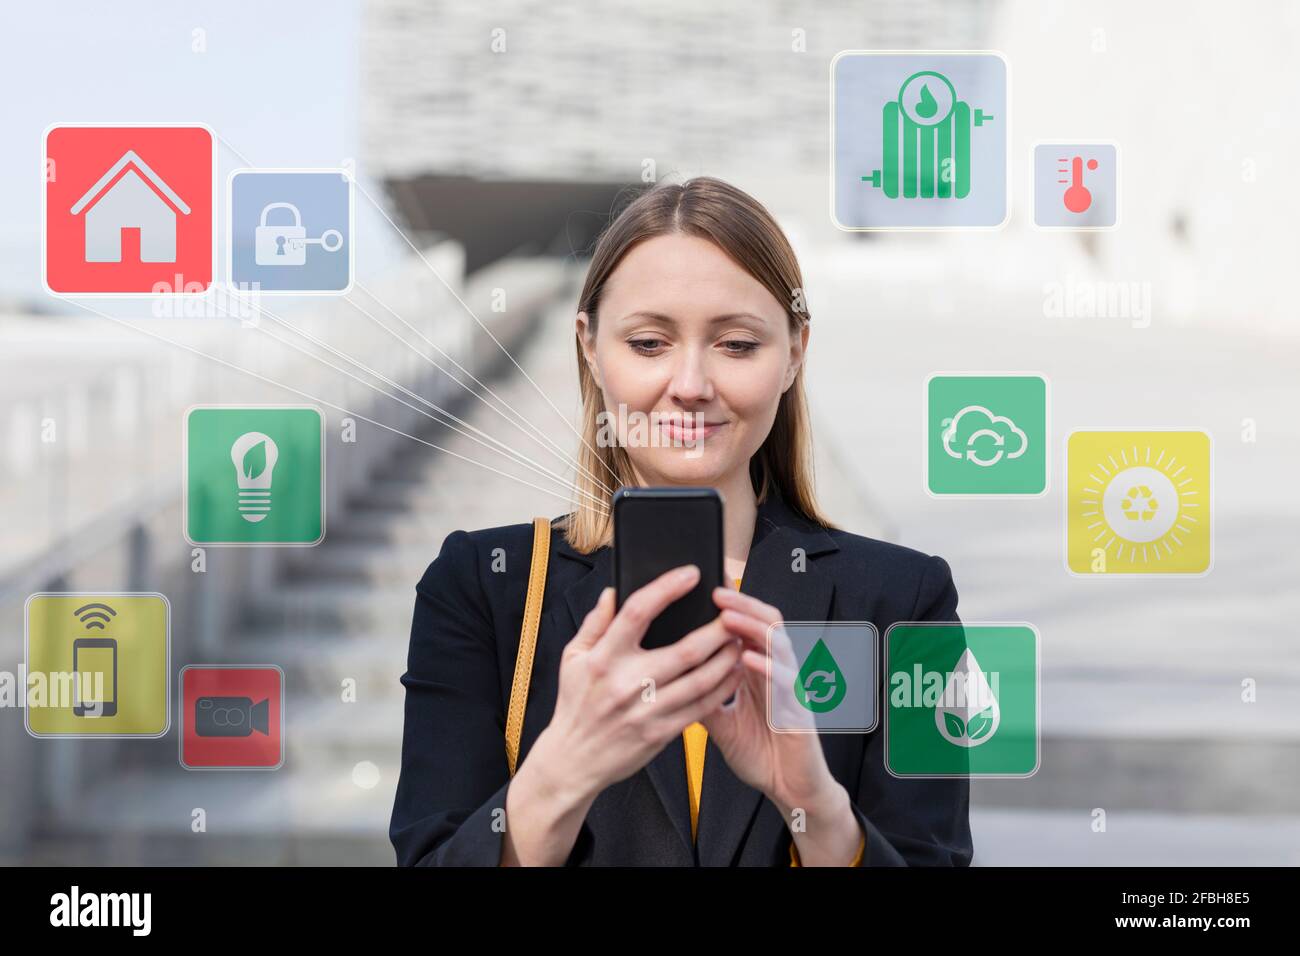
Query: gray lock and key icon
x=286, y=244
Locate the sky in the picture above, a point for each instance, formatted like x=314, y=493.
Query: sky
x=277, y=81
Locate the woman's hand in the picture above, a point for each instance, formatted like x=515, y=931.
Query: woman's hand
x=789, y=768
x=619, y=704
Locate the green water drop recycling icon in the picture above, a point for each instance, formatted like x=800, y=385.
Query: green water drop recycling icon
x=819, y=686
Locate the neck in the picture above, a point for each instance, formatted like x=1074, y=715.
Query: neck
x=739, y=514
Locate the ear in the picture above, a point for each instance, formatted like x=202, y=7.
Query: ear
x=798, y=349
x=587, y=339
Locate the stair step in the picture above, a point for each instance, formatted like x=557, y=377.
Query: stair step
x=1132, y=838
x=309, y=801
x=392, y=566
x=316, y=663
x=332, y=605
x=324, y=727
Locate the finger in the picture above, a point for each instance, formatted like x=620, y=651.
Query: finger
x=771, y=685
x=722, y=724
x=780, y=646
x=760, y=636
x=708, y=701
x=725, y=721
x=596, y=622
x=759, y=678
x=701, y=680
x=746, y=603
x=646, y=603
x=665, y=664
x=715, y=698
x=757, y=663
x=746, y=626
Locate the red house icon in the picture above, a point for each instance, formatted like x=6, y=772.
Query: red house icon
x=129, y=210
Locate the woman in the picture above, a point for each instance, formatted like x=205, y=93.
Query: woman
x=693, y=310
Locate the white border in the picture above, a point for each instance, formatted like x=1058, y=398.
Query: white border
x=1033, y=183
x=45, y=197
x=1006, y=64
x=925, y=435
x=180, y=696
x=1137, y=575
x=875, y=702
x=167, y=644
x=230, y=233
x=185, y=481
x=1038, y=702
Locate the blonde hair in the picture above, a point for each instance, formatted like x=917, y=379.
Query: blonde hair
x=737, y=224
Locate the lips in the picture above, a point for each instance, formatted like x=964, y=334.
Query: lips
x=677, y=431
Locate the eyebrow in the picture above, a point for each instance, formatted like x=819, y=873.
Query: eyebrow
x=717, y=319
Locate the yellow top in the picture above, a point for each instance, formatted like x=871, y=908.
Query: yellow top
x=694, y=737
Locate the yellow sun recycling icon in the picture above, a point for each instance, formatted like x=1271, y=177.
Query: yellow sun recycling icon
x=1138, y=502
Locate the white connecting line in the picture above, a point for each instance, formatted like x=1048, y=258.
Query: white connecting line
x=537, y=431
x=516, y=456
x=310, y=397
x=554, y=449
x=502, y=449
x=504, y=350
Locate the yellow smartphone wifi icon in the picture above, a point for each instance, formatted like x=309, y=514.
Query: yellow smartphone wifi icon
x=105, y=658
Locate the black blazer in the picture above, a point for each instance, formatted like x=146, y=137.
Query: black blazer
x=464, y=638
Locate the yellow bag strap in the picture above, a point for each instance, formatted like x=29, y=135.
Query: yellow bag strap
x=527, y=639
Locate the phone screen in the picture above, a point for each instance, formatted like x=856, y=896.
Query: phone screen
x=96, y=669
x=656, y=530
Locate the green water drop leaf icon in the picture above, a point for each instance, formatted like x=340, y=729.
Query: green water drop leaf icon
x=255, y=460
x=819, y=686
x=927, y=106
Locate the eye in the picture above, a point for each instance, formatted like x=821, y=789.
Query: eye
x=643, y=346
x=739, y=346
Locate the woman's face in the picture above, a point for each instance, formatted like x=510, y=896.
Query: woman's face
x=686, y=336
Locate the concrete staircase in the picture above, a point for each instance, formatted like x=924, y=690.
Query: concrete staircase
x=340, y=611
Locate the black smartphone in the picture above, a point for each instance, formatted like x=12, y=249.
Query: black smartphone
x=658, y=529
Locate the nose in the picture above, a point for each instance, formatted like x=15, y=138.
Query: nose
x=691, y=382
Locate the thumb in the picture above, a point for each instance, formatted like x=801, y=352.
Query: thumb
x=595, y=623
x=722, y=723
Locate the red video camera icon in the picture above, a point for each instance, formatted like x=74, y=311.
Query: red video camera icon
x=232, y=718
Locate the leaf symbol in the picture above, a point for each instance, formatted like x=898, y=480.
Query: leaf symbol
x=255, y=460
x=980, y=724
x=955, y=727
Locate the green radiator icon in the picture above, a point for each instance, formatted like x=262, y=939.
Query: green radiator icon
x=926, y=138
